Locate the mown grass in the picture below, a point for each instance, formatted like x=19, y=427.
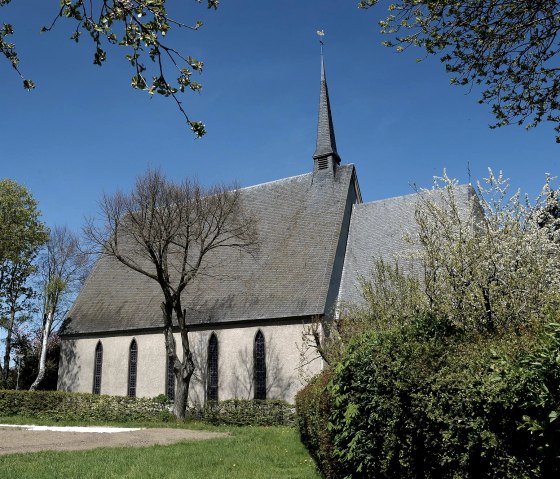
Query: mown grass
x=249, y=452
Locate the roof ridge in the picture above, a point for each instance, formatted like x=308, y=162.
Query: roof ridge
x=408, y=195
x=287, y=178
x=274, y=181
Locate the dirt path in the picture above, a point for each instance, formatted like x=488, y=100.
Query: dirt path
x=13, y=440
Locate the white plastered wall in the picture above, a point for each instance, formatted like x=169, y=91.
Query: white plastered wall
x=287, y=371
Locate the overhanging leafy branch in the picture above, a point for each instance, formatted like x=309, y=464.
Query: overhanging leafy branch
x=141, y=27
x=508, y=47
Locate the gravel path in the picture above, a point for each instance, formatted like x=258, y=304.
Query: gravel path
x=13, y=440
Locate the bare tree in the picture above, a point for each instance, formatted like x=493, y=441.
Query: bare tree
x=315, y=344
x=168, y=232
x=62, y=269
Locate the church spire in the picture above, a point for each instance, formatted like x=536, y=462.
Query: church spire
x=326, y=156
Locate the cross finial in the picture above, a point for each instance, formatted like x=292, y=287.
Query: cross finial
x=321, y=34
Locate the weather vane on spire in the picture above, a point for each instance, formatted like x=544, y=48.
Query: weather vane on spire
x=321, y=34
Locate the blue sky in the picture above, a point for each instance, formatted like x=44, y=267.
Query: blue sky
x=83, y=131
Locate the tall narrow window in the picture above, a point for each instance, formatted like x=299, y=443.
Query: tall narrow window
x=170, y=379
x=97, y=367
x=213, y=368
x=132, y=368
x=259, y=364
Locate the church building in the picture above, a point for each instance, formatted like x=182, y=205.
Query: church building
x=316, y=238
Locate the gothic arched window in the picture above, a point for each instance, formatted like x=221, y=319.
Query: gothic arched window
x=97, y=368
x=259, y=365
x=132, y=368
x=212, y=392
x=170, y=380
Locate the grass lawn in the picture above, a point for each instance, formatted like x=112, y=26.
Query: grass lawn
x=250, y=452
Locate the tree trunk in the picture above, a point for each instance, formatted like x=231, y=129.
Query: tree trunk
x=490, y=326
x=8, y=351
x=43, y=357
x=182, y=381
x=183, y=370
x=183, y=373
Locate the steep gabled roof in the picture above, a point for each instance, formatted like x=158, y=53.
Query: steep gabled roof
x=377, y=231
x=299, y=223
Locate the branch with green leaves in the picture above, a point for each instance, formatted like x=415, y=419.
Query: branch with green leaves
x=140, y=26
x=8, y=50
x=508, y=47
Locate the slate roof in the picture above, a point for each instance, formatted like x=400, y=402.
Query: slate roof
x=326, y=142
x=299, y=222
x=377, y=231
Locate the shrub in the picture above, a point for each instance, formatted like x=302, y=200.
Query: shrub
x=540, y=372
x=242, y=412
x=58, y=406
x=424, y=402
x=29, y=346
x=313, y=407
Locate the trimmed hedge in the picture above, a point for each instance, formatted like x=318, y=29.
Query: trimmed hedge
x=313, y=405
x=421, y=403
x=240, y=412
x=59, y=405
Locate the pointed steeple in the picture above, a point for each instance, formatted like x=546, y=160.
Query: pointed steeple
x=326, y=156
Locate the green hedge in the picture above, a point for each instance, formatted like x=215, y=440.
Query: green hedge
x=419, y=402
x=313, y=406
x=58, y=406
x=242, y=412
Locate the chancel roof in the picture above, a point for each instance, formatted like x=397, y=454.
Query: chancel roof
x=378, y=230
x=299, y=222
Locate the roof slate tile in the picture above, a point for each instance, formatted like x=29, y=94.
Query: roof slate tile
x=298, y=222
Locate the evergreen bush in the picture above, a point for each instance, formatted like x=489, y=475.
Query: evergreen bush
x=425, y=402
x=313, y=407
